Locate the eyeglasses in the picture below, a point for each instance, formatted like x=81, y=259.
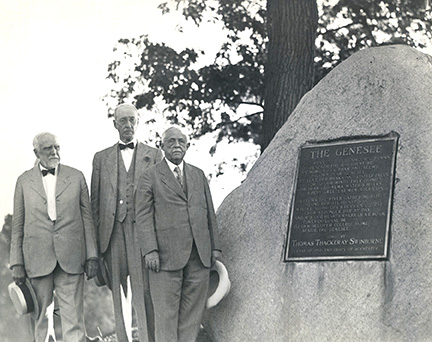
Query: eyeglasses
x=123, y=121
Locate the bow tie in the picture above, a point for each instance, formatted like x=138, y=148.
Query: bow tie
x=123, y=146
x=45, y=172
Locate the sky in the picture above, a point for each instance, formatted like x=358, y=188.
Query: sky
x=53, y=65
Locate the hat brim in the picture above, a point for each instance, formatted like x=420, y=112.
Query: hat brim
x=24, y=298
x=223, y=286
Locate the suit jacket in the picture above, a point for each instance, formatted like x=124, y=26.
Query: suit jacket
x=104, y=186
x=169, y=221
x=38, y=243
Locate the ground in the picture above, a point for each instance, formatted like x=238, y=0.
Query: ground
x=202, y=337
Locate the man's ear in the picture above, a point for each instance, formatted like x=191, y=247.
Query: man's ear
x=36, y=153
x=114, y=123
x=187, y=145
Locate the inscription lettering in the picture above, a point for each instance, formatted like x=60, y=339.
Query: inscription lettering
x=347, y=151
x=342, y=199
x=320, y=154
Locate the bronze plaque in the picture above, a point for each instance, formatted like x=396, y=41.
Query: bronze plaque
x=341, y=205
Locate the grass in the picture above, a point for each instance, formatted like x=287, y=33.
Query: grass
x=202, y=337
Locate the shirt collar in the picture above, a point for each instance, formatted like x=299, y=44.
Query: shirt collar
x=41, y=167
x=172, y=166
x=135, y=141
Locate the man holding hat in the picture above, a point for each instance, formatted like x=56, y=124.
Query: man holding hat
x=116, y=171
x=53, y=240
x=179, y=240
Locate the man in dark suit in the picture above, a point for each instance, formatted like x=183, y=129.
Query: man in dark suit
x=179, y=239
x=53, y=238
x=113, y=185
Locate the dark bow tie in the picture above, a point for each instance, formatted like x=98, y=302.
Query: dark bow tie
x=45, y=172
x=123, y=146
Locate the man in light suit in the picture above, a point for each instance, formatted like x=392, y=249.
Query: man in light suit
x=113, y=185
x=53, y=238
x=179, y=239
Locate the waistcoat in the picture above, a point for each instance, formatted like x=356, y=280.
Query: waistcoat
x=125, y=186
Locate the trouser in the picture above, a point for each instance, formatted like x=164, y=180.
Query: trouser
x=179, y=299
x=69, y=289
x=123, y=258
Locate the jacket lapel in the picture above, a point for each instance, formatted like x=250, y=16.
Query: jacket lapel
x=142, y=162
x=36, y=182
x=190, y=177
x=63, y=180
x=111, y=163
x=168, y=178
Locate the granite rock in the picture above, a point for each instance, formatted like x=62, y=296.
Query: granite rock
x=374, y=92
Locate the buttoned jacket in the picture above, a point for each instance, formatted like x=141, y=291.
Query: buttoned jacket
x=39, y=243
x=168, y=219
x=104, y=183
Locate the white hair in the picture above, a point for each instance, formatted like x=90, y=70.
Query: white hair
x=37, y=138
x=125, y=105
x=172, y=128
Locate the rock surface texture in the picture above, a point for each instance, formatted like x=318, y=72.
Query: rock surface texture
x=374, y=92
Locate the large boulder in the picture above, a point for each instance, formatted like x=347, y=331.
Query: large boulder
x=374, y=92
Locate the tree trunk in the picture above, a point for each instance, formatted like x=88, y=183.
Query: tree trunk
x=291, y=27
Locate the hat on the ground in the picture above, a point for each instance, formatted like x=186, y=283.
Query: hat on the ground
x=219, y=279
x=23, y=298
x=102, y=276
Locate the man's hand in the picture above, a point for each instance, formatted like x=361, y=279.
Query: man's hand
x=91, y=267
x=152, y=261
x=216, y=255
x=18, y=274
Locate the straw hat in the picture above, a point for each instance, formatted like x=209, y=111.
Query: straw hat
x=223, y=284
x=23, y=298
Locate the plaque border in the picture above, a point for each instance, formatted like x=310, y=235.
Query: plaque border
x=394, y=136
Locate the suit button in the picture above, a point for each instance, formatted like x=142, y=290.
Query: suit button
x=121, y=201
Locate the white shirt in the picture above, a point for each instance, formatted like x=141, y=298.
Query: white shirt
x=127, y=153
x=172, y=166
x=49, y=183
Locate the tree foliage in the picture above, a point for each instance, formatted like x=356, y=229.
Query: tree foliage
x=351, y=25
x=205, y=98
x=227, y=96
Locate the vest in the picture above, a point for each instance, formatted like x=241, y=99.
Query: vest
x=125, y=186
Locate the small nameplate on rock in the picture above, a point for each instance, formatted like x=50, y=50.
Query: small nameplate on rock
x=342, y=199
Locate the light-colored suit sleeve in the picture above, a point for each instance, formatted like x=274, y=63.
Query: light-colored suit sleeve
x=144, y=211
x=16, y=249
x=89, y=227
x=95, y=186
